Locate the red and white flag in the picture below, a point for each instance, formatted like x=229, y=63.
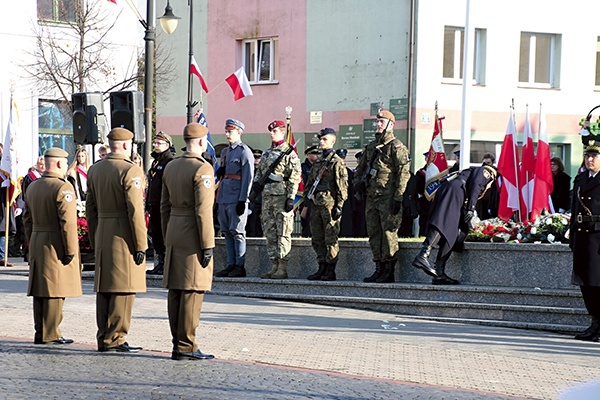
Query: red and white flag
x=527, y=169
x=113, y=1
x=544, y=184
x=508, y=167
x=437, y=164
x=238, y=81
x=8, y=165
x=195, y=69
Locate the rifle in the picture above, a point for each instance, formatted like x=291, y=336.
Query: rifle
x=320, y=175
x=369, y=172
x=259, y=185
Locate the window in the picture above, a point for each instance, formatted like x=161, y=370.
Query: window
x=598, y=61
x=539, y=59
x=57, y=10
x=56, y=126
x=261, y=60
x=453, y=54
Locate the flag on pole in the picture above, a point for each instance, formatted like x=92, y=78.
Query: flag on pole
x=113, y=1
x=201, y=119
x=508, y=168
x=527, y=170
x=8, y=165
x=291, y=141
x=238, y=81
x=544, y=183
x=437, y=164
x=195, y=69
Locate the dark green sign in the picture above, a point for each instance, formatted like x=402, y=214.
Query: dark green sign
x=375, y=108
x=350, y=137
x=399, y=107
x=369, y=129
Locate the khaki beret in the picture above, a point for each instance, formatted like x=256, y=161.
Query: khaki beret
x=120, y=134
x=194, y=131
x=386, y=114
x=56, y=152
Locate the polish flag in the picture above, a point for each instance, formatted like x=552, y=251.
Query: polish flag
x=544, y=184
x=508, y=167
x=113, y=1
x=527, y=169
x=238, y=81
x=195, y=69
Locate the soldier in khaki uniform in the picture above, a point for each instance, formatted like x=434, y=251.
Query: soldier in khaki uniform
x=50, y=222
x=327, y=190
x=278, y=200
x=187, y=219
x=382, y=175
x=117, y=230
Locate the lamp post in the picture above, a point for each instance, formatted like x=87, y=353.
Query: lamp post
x=149, y=38
x=169, y=24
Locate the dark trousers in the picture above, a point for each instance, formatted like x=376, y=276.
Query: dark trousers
x=113, y=317
x=184, y=307
x=47, y=316
x=591, y=298
x=158, y=241
x=434, y=237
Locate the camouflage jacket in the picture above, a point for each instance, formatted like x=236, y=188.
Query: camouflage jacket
x=332, y=189
x=391, y=167
x=288, y=169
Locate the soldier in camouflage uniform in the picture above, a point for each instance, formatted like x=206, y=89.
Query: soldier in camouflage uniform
x=382, y=175
x=327, y=190
x=278, y=200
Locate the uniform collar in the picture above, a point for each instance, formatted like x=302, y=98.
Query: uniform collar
x=48, y=174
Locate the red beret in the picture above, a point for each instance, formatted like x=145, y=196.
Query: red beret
x=276, y=124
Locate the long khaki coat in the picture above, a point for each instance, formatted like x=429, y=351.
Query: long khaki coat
x=116, y=223
x=187, y=220
x=50, y=222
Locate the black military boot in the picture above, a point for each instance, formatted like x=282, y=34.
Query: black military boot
x=160, y=263
x=376, y=274
x=238, y=271
x=225, y=272
x=329, y=274
x=387, y=276
x=442, y=278
x=422, y=259
x=591, y=332
x=319, y=274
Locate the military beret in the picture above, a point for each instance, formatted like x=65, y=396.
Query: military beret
x=325, y=131
x=257, y=153
x=235, y=123
x=592, y=149
x=386, y=114
x=165, y=137
x=56, y=152
x=120, y=134
x=359, y=154
x=457, y=153
x=194, y=131
x=341, y=152
x=314, y=149
x=276, y=124
x=426, y=154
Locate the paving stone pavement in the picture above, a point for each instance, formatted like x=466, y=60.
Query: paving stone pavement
x=270, y=350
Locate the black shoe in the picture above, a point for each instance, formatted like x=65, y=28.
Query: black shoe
x=387, y=276
x=329, y=274
x=62, y=340
x=192, y=355
x=225, y=271
x=122, y=348
x=376, y=274
x=238, y=272
x=591, y=333
x=423, y=263
x=319, y=274
x=38, y=341
x=444, y=280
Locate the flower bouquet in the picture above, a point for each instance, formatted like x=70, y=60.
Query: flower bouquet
x=552, y=228
x=82, y=229
x=493, y=230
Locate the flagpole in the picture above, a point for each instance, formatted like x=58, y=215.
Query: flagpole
x=6, y=217
x=467, y=70
x=515, y=165
x=215, y=88
x=190, y=102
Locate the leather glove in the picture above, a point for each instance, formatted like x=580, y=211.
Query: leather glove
x=468, y=216
x=336, y=213
x=396, y=207
x=289, y=205
x=206, y=257
x=139, y=257
x=240, y=207
x=221, y=173
x=66, y=260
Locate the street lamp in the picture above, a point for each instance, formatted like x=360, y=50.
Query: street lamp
x=149, y=38
x=169, y=24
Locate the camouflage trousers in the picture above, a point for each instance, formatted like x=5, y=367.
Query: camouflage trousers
x=277, y=227
x=382, y=227
x=325, y=233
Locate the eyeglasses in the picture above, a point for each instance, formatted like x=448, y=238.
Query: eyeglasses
x=159, y=142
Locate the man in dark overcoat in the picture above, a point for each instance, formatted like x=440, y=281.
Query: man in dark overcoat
x=50, y=222
x=584, y=239
x=451, y=211
x=117, y=231
x=187, y=219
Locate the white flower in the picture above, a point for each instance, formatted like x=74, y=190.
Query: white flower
x=533, y=230
x=548, y=221
x=519, y=236
x=551, y=238
x=564, y=221
x=567, y=234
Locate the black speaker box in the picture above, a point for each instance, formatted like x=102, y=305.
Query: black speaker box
x=127, y=111
x=88, y=117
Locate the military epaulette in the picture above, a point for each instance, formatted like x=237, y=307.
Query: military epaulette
x=129, y=161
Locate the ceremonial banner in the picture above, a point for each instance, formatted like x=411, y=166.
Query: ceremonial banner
x=527, y=170
x=437, y=164
x=508, y=164
x=544, y=183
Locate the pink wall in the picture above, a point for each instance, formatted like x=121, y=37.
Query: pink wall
x=285, y=19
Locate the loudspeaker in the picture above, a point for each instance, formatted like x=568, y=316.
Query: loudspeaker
x=89, y=122
x=127, y=111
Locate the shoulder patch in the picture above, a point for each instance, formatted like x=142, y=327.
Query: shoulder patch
x=137, y=182
x=208, y=183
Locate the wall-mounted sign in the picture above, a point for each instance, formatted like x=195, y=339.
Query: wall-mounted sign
x=316, y=117
x=399, y=107
x=350, y=137
x=369, y=129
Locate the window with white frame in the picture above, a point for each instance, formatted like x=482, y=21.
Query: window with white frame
x=261, y=59
x=539, y=59
x=55, y=123
x=453, y=54
x=598, y=61
x=57, y=10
